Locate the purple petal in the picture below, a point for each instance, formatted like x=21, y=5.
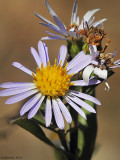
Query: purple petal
x=72, y=33
x=114, y=54
x=89, y=14
x=82, y=104
x=78, y=21
x=52, y=34
x=74, y=13
x=23, y=68
x=13, y=91
x=78, y=109
x=16, y=84
x=58, y=116
x=115, y=66
x=55, y=35
x=48, y=112
x=56, y=19
x=65, y=111
x=45, y=20
x=98, y=23
x=53, y=38
x=94, y=62
x=46, y=51
x=91, y=21
x=60, y=25
x=75, y=60
x=83, y=83
x=36, y=57
x=86, y=60
x=56, y=29
x=21, y=96
x=35, y=109
x=117, y=62
x=42, y=53
x=86, y=96
x=29, y=104
x=62, y=55
x=93, y=50
x=87, y=18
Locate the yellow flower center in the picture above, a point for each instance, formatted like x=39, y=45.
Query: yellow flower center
x=52, y=80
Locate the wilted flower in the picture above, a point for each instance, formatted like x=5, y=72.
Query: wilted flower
x=101, y=64
x=75, y=29
x=51, y=83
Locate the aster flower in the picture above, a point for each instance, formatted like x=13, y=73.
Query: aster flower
x=75, y=28
x=50, y=84
x=100, y=65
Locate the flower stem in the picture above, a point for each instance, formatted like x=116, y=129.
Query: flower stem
x=74, y=134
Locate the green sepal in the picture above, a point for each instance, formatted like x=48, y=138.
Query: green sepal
x=74, y=47
x=85, y=48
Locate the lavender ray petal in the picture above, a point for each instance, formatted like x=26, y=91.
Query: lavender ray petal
x=89, y=14
x=86, y=97
x=60, y=25
x=35, y=109
x=78, y=21
x=93, y=50
x=42, y=53
x=15, y=90
x=115, y=66
x=114, y=54
x=16, y=84
x=56, y=19
x=58, y=116
x=87, y=17
x=74, y=13
x=53, y=38
x=72, y=33
x=52, y=34
x=82, y=103
x=62, y=55
x=45, y=20
x=21, y=96
x=83, y=83
x=78, y=109
x=36, y=57
x=65, y=111
x=117, y=62
x=29, y=104
x=48, y=112
x=91, y=21
x=23, y=68
x=46, y=51
x=75, y=60
x=94, y=62
x=52, y=27
x=86, y=60
x=98, y=23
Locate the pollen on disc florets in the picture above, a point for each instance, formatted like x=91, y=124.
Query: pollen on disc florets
x=52, y=80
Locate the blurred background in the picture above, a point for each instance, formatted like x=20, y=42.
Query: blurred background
x=19, y=30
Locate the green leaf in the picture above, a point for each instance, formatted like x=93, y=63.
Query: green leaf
x=32, y=127
x=59, y=155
